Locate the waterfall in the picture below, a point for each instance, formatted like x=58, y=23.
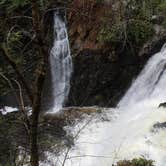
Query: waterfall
x=61, y=64
x=129, y=130
x=151, y=82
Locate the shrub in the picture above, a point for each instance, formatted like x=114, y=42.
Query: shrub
x=135, y=31
x=162, y=8
x=136, y=162
x=110, y=34
x=139, y=31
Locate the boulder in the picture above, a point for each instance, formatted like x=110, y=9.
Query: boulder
x=160, y=125
x=162, y=105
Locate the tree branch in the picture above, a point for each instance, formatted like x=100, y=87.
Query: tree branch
x=20, y=17
x=5, y=53
x=22, y=107
x=19, y=99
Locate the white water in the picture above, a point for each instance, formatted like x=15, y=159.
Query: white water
x=151, y=82
x=61, y=64
x=130, y=132
x=5, y=110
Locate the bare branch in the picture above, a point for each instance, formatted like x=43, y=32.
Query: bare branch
x=10, y=85
x=17, y=71
x=19, y=100
x=22, y=106
x=9, y=33
x=77, y=134
x=28, y=44
x=20, y=17
x=89, y=156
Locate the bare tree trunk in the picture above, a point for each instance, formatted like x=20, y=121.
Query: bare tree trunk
x=39, y=82
x=33, y=135
x=34, y=94
x=35, y=116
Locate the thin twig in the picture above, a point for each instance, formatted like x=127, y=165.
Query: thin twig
x=17, y=71
x=22, y=107
x=10, y=85
x=20, y=17
x=77, y=134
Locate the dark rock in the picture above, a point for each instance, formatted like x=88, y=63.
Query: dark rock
x=155, y=44
x=162, y=105
x=102, y=79
x=157, y=19
x=160, y=125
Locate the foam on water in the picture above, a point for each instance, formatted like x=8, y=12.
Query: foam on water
x=131, y=134
x=5, y=110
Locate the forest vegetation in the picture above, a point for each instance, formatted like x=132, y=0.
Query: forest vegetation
x=123, y=33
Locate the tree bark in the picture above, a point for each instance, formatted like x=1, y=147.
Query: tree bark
x=39, y=82
x=34, y=133
x=34, y=94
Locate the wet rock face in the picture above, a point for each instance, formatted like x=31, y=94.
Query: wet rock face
x=85, y=19
x=102, y=71
x=101, y=79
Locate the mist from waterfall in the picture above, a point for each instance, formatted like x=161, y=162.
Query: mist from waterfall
x=128, y=130
x=61, y=64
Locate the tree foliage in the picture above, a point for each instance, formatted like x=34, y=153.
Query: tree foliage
x=136, y=162
x=132, y=22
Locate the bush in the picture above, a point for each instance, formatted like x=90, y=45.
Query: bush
x=136, y=162
x=162, y=8
x=110, y=34
x=135, y=31
x=139, y=31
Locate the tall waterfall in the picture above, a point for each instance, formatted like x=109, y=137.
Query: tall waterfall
x=151, y=83
x=61, y=64
x=129, y=130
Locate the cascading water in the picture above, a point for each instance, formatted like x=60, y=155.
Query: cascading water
x=61, y=64
x=151, y=82
x=130, y=132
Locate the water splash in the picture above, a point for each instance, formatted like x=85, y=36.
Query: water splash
x=61, y=64
x=131, y=134
x=5, y=110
